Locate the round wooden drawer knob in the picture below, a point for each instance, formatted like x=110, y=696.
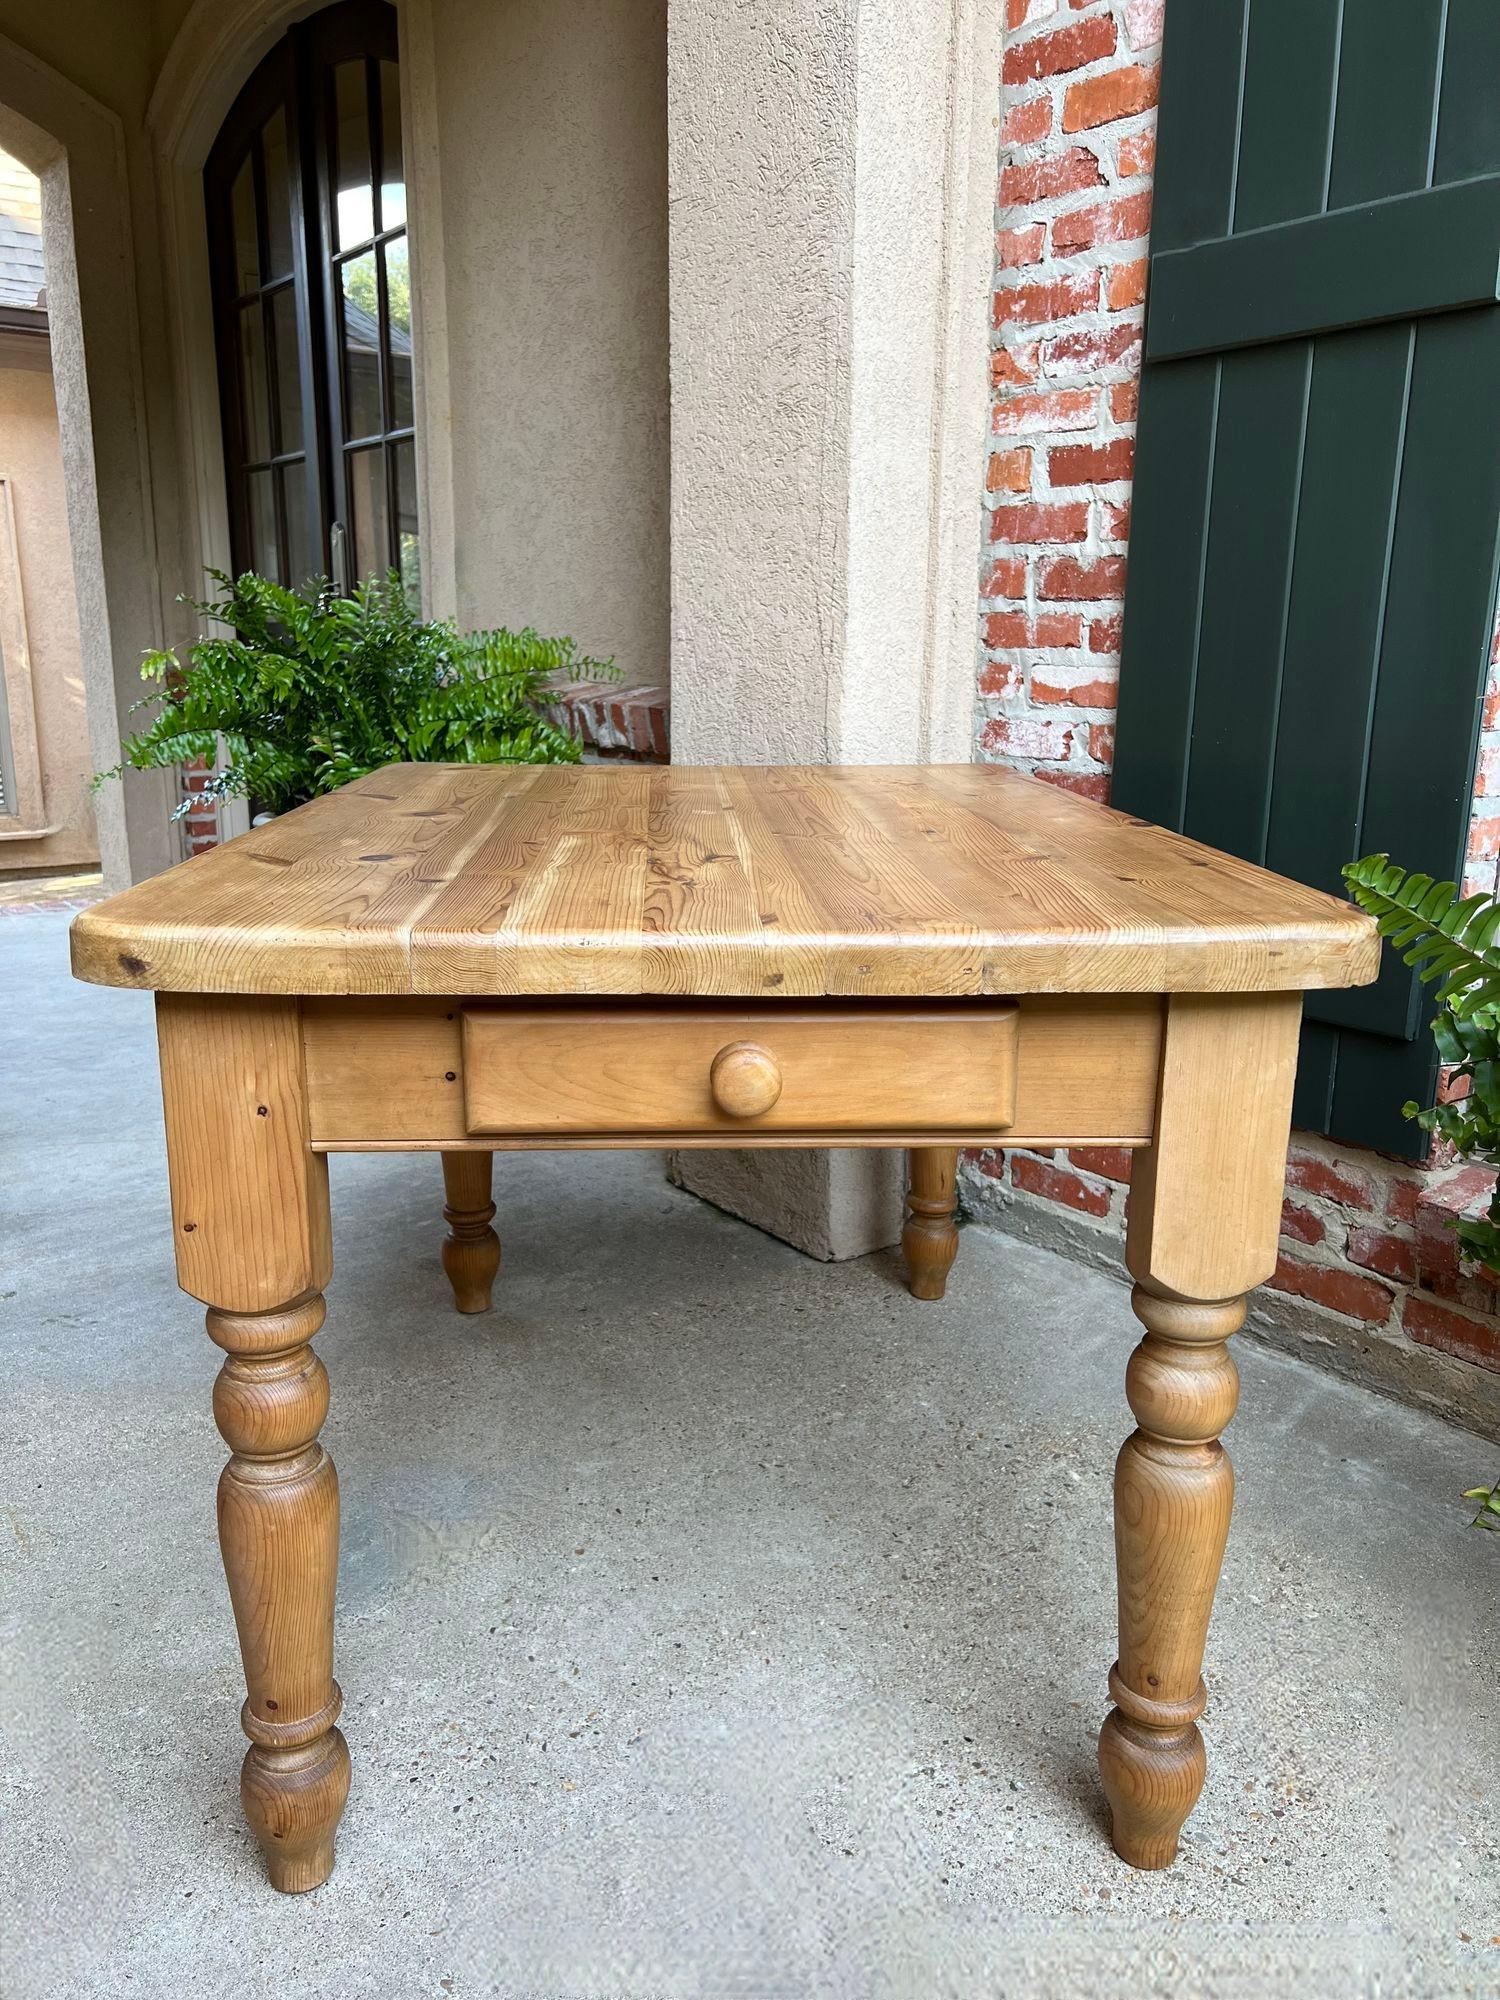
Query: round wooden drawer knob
x=745, y=1079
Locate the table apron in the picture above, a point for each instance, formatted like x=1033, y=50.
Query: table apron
x=387, y=1075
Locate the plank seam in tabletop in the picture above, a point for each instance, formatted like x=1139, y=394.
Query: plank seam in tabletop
x=772, y=882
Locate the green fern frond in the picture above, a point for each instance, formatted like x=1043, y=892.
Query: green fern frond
x=1489, y=1505
x=1452, y=939
x=309, y=690
x=1443, y=936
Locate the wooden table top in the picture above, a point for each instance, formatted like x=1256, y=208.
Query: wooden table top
x=766, y=881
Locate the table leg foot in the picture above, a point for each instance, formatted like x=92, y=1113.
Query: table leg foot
x=1152, y=1779
x=278, y=1534
x=471, y=1249
x=293, y=1800
x=929, y=1241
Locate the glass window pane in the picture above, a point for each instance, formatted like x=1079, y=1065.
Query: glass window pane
x=263, y=551
x=408, y=537
x=353, y=198
x=278, y=196
x=392, y=169
x=372, y=542
x=254, y=401
x=303, y=559
x=288, y=372
x=361, y=347
x=398, y=305
x=246, y=243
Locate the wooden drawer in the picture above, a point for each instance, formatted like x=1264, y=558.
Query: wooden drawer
x=730, y=1068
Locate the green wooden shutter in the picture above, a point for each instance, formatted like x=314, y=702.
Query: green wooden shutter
x=1317, y=497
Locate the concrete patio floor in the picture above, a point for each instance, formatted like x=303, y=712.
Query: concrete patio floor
x=711, y=1622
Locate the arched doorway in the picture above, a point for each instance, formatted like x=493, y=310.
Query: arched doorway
x=305, y=201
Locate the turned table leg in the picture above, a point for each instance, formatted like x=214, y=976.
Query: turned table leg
x=279, y=1537
x=1205, y=1208
x=929, y=1241
x=471, y=1249
x=250, y=1221
x=1173, y=1492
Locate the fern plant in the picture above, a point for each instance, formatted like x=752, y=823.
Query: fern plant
x=1454, y=941
x=307, y=690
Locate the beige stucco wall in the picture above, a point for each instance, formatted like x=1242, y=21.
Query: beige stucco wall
x=763, y=183
x=31, y=463
x=110, y=48
x=832, y=239
x=551, y=150
x=74, y=83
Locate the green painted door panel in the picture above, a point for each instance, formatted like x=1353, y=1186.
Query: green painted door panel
x=1316, y=516
x=1428, y=252
x=1247, y=565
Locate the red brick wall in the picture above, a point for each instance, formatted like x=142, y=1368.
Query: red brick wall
x=199, y=826
x=1365, y=1242
x=1078, y=123
x=1365, y=1239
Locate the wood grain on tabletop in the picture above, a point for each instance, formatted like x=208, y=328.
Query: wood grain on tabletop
x=770, y=881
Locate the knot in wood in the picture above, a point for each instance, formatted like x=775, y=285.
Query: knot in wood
x=1151, y=1711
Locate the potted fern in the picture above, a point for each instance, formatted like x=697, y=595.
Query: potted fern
x=1452, y=939
x=306, y=690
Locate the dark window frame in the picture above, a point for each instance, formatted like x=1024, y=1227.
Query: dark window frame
x=298, y=78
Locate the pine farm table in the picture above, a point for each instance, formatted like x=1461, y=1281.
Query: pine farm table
x=465, y=960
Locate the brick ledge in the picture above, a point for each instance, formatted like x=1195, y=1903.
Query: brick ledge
x=633, y=720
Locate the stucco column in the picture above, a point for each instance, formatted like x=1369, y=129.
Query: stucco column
x=831, y=169
x=77, y=148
